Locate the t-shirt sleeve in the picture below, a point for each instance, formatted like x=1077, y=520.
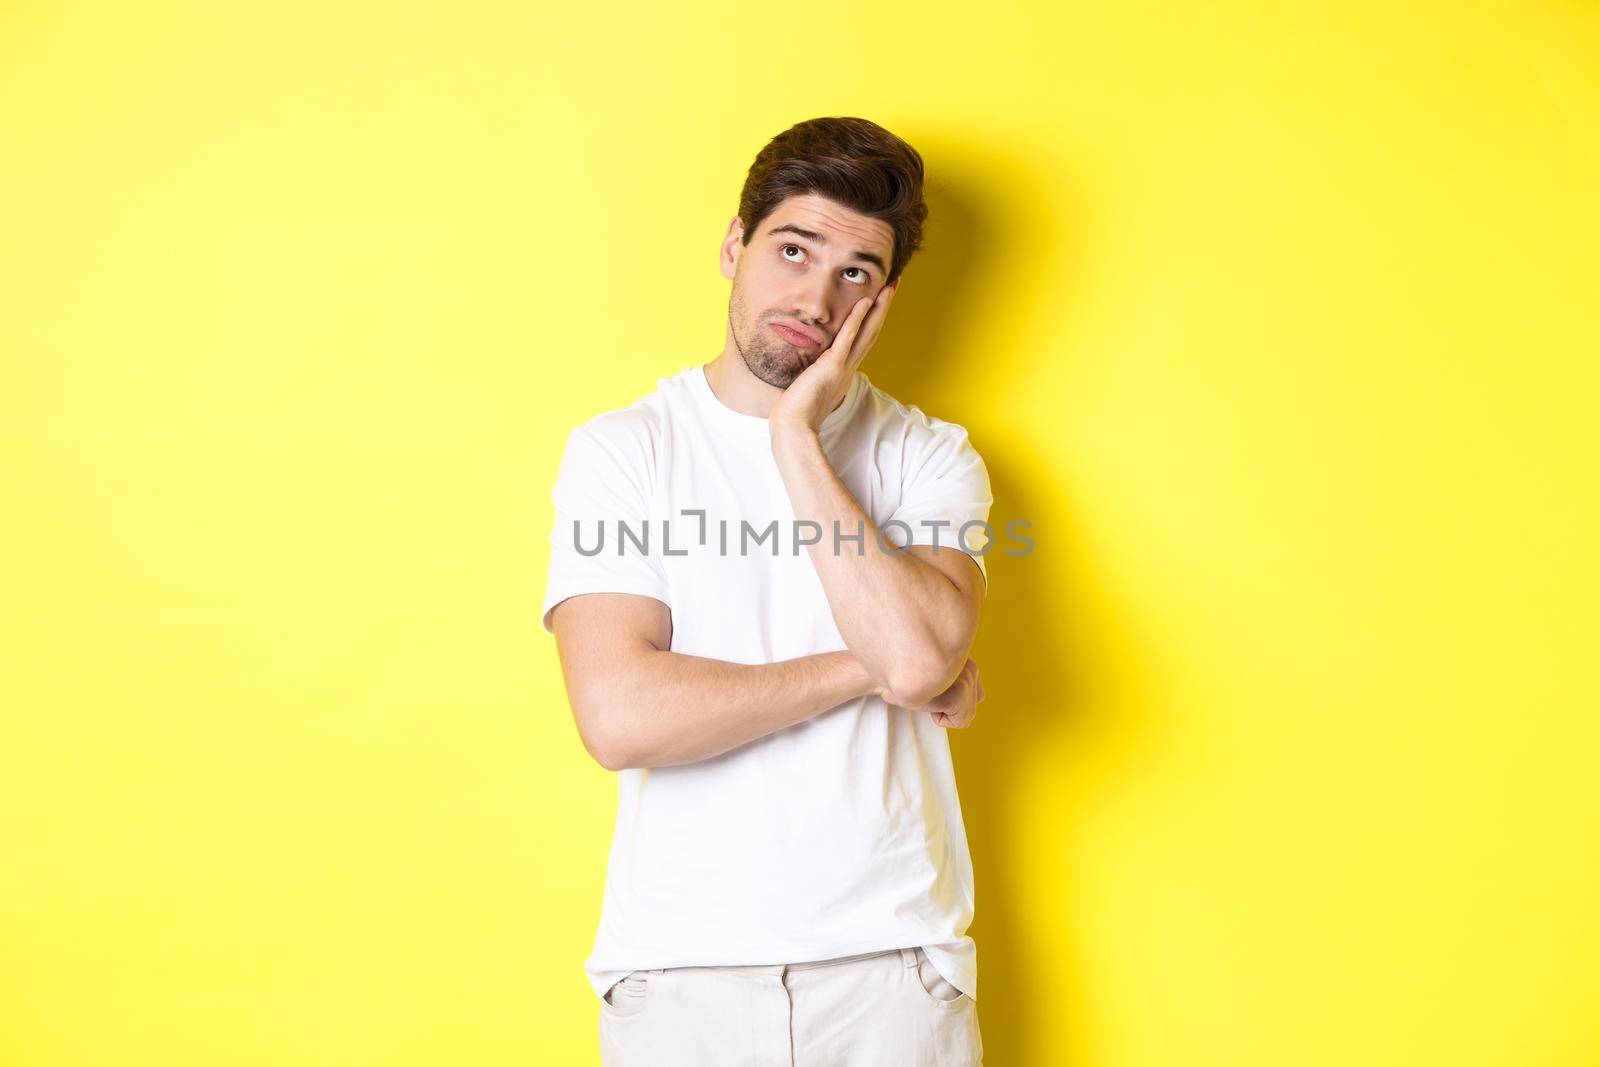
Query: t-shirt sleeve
x=946, y=481
x=601, y=485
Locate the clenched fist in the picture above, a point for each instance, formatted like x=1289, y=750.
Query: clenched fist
x=957, y=705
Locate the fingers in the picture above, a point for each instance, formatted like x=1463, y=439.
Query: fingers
x=956, y=720
x=854, y=339
x=957, y=706
x=872, y=326
x=844, y=341
x=956, y=714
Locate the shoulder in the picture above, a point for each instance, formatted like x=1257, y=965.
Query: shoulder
x=921, y=435
x=628, y=435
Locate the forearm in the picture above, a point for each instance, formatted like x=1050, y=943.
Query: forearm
x=669, y=708
x=900, y=616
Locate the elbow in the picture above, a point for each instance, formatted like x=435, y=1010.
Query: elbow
x=919, y=681
x=912, y=694
x=601, y=733
x=928, y=663
x=611, y=759
x=609, y=751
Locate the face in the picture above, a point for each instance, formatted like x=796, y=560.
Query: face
x=808, y=263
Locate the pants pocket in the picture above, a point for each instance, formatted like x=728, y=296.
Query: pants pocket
x=628, y=996
x=935, y=986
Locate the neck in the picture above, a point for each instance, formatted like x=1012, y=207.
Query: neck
x=740, y=390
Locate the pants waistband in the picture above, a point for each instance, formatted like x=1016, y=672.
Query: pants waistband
x=908, y=956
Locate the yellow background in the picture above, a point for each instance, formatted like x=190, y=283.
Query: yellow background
x=1278, y=322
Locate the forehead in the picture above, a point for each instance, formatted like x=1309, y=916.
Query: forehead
x=843, y=227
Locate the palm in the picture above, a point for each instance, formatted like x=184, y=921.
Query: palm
x=819, y=388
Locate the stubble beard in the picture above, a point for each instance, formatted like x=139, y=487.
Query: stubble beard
x=770, y=359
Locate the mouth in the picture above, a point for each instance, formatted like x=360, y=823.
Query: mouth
x=794, y=336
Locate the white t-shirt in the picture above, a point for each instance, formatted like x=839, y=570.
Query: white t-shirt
x=838, y=835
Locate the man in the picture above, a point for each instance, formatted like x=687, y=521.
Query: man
x=763, y=620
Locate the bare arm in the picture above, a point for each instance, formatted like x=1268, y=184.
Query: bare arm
x=911, y=618
x=639, y=705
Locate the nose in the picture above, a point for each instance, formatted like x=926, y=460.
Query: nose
x=811, y=304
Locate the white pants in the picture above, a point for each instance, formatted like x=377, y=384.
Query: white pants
x=879, y=1009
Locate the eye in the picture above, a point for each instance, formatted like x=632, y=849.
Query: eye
x=862, y=277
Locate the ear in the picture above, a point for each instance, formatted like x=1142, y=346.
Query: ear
x=732, y=248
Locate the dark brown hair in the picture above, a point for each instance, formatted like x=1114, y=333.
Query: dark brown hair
x=853, y=161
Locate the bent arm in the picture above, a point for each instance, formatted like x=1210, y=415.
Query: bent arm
x=911, y=617
x=639, y=705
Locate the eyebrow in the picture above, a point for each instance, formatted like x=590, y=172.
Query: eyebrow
x=861, y=254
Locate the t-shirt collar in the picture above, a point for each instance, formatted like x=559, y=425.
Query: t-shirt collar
x=756, y=427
